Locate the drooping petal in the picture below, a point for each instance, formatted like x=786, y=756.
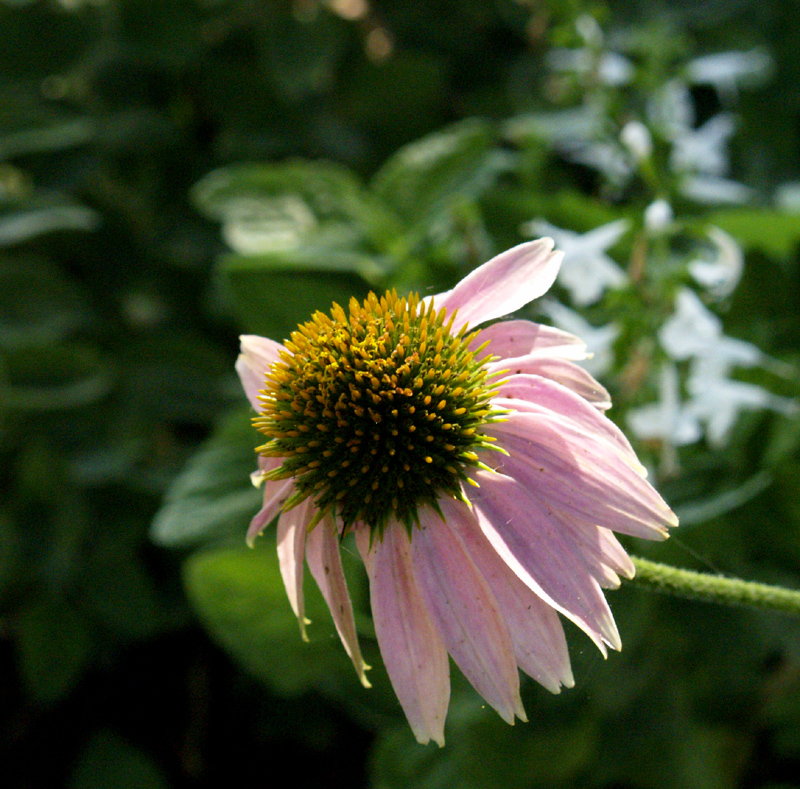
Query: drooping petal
x=542, y=395
x=412, y=650
x=512, y=339
x=571, y=470
x=601, y=554
x=257, y=354
x=561, y=371
x=529, y=541
x=292, y=529
x=325, y=563
x=504, y=284
x=275, y=495
x=540, y=647
x=466, y=614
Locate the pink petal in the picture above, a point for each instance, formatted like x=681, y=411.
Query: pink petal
x=325, y=563
x=601, y=554
x=292, y=529
x=561, y=371
x=511, y=339
x=504, y=284
x=466, y=614
x=410, y=645
x=573, y=471
x=531, y=543
x=275, y=495
x=540, y=395
x=540, y=647
x=258, y=354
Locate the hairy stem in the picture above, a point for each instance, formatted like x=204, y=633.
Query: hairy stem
x=714, y=588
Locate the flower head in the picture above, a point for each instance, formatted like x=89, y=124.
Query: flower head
x=475, y=469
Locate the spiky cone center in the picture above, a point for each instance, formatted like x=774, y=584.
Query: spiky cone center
x=377, y=411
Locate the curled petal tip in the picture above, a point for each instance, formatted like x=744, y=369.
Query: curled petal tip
x=363, y=676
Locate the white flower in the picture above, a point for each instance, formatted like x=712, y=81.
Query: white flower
x=599, y=339
x=670, y=109
x=635, y=136
x=721, y=275
x=710, y=189
x=665, y=420
x=658, y=216
x=703, y=150
x=607, y=157
x=787, y=197
x=726, y=71
x=695, y=331
x=609, y=68
x=717, y=400
x=586, y=271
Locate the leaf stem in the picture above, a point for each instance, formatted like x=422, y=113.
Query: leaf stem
x=714, y=588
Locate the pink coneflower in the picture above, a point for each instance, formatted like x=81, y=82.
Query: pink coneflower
x=476, y=469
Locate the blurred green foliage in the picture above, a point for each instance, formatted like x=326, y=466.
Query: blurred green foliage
x=173, y=173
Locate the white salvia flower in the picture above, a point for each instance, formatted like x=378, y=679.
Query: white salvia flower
x=609, y=158
x=609, y=68
x=695, y=331
x=635, y=136
x=589, y=30
x=716, y=400
x=670, y=109
x=787, y=197
x=703, y=150
x=665, y=420
x=721, y=275
x=726, y=71
x=586, y=271
x=710, y=189
x=599, y=339
x=658, y=216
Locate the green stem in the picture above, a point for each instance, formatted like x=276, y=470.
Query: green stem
x=714, y=588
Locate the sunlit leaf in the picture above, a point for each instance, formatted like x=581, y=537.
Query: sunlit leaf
x=427, y=176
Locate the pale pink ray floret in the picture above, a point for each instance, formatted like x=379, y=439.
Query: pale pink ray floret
x=485, y=579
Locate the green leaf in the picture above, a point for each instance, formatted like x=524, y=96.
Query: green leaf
x=239, y=595
x=56, y=136
x=53, y=378
x=428, y=176
x=213, y=496
x=283, y=208
x=22, y=225
x=53, y=646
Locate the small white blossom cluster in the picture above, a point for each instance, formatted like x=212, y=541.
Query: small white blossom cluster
x=694, y=363
x=694, y=334
x=698, y=154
